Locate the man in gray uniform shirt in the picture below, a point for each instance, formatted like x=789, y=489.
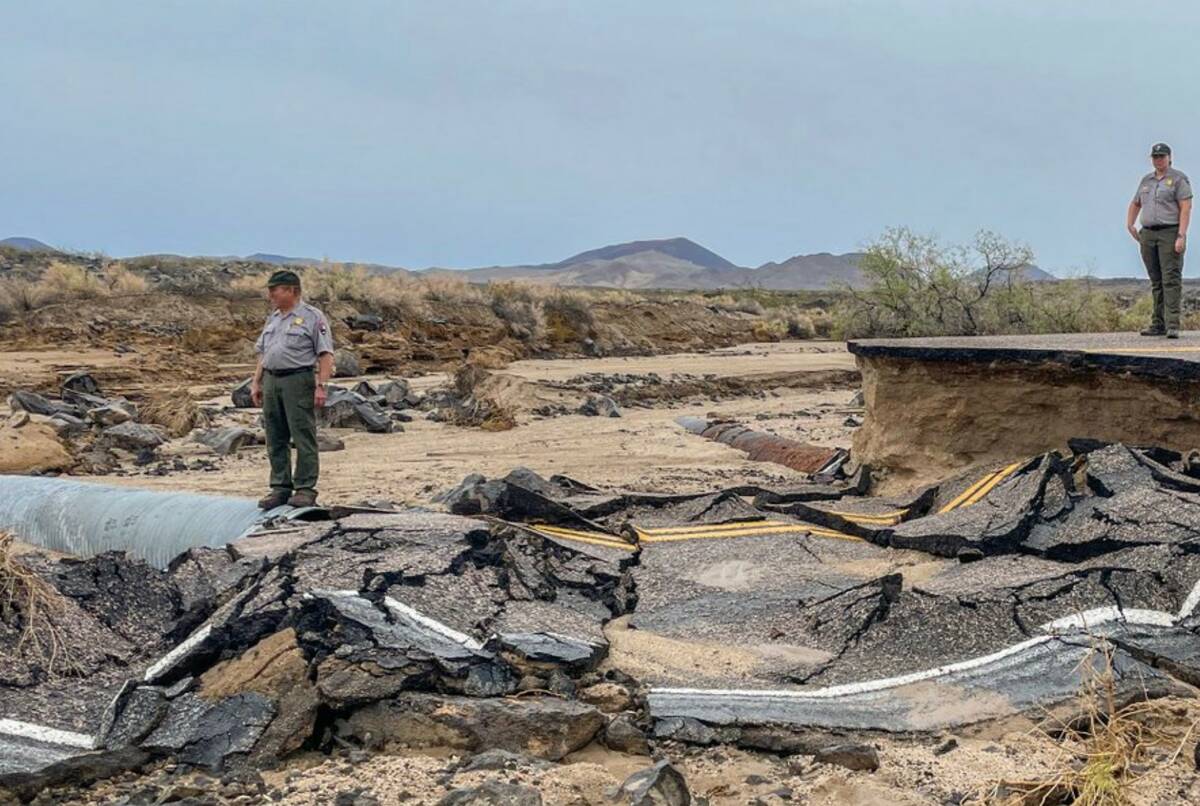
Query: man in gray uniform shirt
x=1164, y=198
x=295, y=342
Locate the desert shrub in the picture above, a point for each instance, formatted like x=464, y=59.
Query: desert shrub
x=769, y=330
x=823, y=323
x=250, y=285
x=175, y=411
x=64, y=281
x=920, y=287
x=516, y=305
x=796, y=324
x=1137, y=315
x=451, y=291
x=335, y=282
x=123, y=282
x=568, y=315
x=750, y=306
x=19, y=296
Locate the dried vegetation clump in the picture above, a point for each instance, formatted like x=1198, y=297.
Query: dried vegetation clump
x=1105, y=751
x=175, y=411
x=32, y=610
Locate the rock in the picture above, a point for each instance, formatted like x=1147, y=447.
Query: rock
x=328, y=442
x=224, y=441
x=397, y=393
x=20, y=418
x=858, y=399
x=31, y=402
x=365, y=389
x=493, y=793
x=133, y=713
x=345, y=364
x=133, y=436
x=275, y=668
x=608, y=697
x=851, y=756
x=66, y=425
x=345, y=409
x=463, y=498
x=501, y=760
x=78, y=771
x=364, y=321
x=81, y=382
x=204, y=733
x=660, y=785
x=599, y=406
x=82, y=401
x=546, y=728
x=797, y=764
x=946, y=746
x=115, y=412
x=624, y=736
x=561, y=684
x=852, y=422
x=241, y=395
x=35, y=448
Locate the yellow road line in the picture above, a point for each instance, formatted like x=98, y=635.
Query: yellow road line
x=794, y=528
x=899, y=513
x=1147, y=350
x=670, y=530
x=967, y=493
x=583, y=537
x=564, y=530
x=991, y=485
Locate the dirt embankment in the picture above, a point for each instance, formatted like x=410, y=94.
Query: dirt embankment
x=157, y=339
x=927, y=420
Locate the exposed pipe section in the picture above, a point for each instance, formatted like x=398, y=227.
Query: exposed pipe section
x=761, y=447
x=87, y=519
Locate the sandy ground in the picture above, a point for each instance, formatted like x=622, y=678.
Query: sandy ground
x=644, y=449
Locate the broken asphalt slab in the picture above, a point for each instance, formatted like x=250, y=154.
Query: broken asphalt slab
x=748, y=616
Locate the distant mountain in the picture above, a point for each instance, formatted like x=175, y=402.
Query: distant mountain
x=281, y=260
x=681, y=248
x=669, y=263
x=811, y=272
x=27, y=245
x=674, y=263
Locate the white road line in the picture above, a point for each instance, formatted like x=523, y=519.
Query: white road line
x=168, y=660
x=1103, y=615
x=41, y=733
x=865, y=687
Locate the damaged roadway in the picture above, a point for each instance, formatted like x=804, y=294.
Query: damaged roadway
x=746, y=615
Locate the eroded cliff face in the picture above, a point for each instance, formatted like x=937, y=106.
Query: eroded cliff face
x=928, y=419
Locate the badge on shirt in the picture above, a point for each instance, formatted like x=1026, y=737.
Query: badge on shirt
x=1170, y=182
x=322, y=326
x=298, y=321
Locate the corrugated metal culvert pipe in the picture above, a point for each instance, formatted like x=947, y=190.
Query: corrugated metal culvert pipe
x=87, y=519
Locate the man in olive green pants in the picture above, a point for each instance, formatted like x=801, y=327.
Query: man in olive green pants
x=295, y=360
x=1164, y=202
x=289, y=416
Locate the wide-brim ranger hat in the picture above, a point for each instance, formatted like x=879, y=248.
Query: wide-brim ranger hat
x=283, y=277
x=1160, y=150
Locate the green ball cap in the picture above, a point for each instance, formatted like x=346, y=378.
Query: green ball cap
x=1160, y=150
x=283, y=277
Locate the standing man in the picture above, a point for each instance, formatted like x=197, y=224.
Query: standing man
x=295, y=360
x=1164, y=197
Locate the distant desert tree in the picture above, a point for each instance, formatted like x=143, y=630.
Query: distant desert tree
x=918, y=286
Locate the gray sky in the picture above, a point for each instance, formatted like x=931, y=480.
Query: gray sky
x=476, y=133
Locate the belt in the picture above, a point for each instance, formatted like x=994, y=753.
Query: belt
x=279, y=373
x=1157, y=227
